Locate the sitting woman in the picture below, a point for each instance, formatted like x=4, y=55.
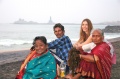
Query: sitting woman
x=85, y=40
x=40, y=63
x=94, y=65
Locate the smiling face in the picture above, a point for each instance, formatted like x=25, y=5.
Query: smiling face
x=58, y=32
x=85, y=26
x=40, y=47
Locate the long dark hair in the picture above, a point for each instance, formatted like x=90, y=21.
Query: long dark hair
x=73, y=59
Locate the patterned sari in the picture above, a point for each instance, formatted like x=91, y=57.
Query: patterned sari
x=101, y=68
x=43, y=66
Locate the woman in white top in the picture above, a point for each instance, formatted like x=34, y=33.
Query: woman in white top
x=85, y=40
x=85, y=31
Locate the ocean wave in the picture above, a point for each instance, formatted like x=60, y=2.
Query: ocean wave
x=111, y=35
x=9, y=42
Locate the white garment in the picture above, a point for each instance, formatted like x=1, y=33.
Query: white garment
x=88, y=47
x=58, y=58
x=111, y=47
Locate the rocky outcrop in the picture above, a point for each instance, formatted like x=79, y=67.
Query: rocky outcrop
x=112, y=29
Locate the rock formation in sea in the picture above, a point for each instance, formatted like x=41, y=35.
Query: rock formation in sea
x=112, y=29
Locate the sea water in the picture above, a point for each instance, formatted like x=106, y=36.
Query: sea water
x=20, y=36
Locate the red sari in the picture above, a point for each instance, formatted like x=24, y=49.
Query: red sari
x=101, y=68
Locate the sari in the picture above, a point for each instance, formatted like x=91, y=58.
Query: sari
x=43, y=66
x=88, y=47
x=101, y=67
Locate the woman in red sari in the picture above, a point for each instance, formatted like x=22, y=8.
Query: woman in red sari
x=97, y=64
x=85, y=39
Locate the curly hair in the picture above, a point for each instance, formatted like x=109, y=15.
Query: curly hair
x=73, y=59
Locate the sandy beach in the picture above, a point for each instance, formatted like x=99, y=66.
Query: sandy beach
x=10, y=61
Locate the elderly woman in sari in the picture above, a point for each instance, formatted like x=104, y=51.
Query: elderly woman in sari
x=85, y=40
x=96, y=64
x=40, y=63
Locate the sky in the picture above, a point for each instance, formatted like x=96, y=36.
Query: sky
x=61, y=11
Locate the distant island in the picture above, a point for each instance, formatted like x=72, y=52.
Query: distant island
x=22, y=21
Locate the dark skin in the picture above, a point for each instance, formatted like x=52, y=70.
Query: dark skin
x=58, y=32
x=97, y=38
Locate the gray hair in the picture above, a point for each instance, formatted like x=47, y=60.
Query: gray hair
x=99, y=30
